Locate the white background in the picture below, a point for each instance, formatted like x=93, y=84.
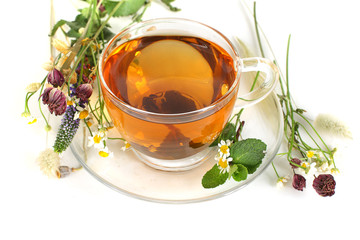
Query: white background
x=324, y=79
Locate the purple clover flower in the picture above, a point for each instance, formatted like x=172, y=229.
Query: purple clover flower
x=56, y=78
x=299, y=182
x=84, y=91
x=55, y=99
x=324, y=185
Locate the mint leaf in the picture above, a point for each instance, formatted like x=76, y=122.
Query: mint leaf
x=233, y=169
x=127, y=8
x=248, y=152
x=214, y=178
x=252, y=169
x=240, y=173
x=228, y=132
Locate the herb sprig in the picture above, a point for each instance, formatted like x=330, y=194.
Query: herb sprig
x=73, y=77
x=307, y=155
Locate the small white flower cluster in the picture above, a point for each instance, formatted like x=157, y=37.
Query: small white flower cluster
x=314, y=163
x=223, y=156
x=81, y=112
x=98, y=140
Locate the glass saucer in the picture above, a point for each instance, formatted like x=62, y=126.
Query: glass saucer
x=125, y=173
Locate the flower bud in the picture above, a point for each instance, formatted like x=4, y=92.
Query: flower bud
x=296, y=161
x=63, y=171
x=84, y=91
x=33, y=87
x=299, y=182
x=56, y=78
x=48, y=66
x=55, y=99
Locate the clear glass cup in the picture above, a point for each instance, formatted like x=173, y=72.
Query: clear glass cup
x=180, y=141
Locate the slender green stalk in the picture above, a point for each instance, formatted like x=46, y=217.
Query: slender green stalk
x=257, y=32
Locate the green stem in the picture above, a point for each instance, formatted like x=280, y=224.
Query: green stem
x=107, y=20
x=257, y=31
x=111, y=138
x=312, y=127
x=39, y=101
x=278, y=176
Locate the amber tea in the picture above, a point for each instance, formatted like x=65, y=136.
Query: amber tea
x=169, y=75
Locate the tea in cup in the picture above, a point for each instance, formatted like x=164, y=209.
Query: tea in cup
x=170, y=86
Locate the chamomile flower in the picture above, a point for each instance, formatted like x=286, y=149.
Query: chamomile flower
x=82, y=111
x=307, y=168
x=224, y=148
x=282, y=181
x=310, y=154
x=324, y=167
x=104, y=152
x=223, y=163
x=98, y=138
x=126, y=146
x=29, y=118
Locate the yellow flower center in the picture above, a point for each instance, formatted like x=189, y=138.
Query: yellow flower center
x=310, y=154
x=83, y=114
x=97, y=139
x=69, y=102
x=127, y=145
x=103, y=154
x=224, y=149
x=223, y=164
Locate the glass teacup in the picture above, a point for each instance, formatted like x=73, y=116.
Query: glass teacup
x=170, y=86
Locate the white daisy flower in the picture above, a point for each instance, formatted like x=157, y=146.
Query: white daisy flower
x=81, y=112
x=310, y=168
x=224, y=149
x=104, y=152
x=282, y=181
x=126, y=146
x=324, y=167
x=223, y=163
x=29, y=118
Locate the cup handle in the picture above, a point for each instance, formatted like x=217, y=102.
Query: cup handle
x=255, y=64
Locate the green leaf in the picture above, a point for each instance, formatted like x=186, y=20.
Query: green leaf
x=233, y=169
x=128, y=7
x=108, y=34
x=56, y=26
x=252, y=169
x=228, y=132
x=79, y=22
x=171, y=7
x=214, y=178
x=248, y=152
x=240, y=173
